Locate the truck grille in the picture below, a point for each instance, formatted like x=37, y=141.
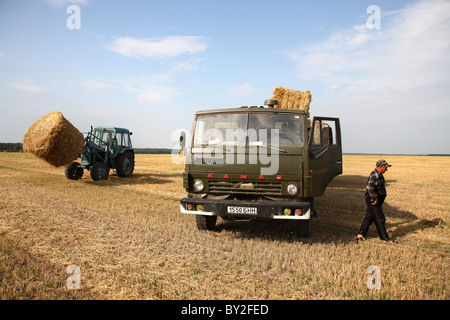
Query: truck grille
x=238, y=187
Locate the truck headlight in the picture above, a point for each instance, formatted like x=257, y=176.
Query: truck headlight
x=292, y=189
x=198, y=185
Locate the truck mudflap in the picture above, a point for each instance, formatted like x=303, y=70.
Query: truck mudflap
x=264, y=210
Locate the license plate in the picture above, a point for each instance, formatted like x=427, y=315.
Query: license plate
x=243, y=210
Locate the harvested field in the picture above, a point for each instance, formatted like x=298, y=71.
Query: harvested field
x=130, y=241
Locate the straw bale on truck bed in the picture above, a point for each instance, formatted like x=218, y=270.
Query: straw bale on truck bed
x=54, y=139
x=292, y=99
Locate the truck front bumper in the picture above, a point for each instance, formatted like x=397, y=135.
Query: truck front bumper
x=258, y=210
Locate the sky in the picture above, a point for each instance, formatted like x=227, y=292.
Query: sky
x=382, y=67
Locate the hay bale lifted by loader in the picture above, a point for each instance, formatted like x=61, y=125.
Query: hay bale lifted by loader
x=55, y=140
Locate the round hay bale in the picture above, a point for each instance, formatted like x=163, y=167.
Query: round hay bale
x=54, y=139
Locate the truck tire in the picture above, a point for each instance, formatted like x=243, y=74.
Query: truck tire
x=304, y=228
x=73, y=171
x=99, y=171
x=125, y=164
x=206, y=222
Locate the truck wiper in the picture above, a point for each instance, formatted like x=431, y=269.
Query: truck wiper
x=219, y=144
x=270, y=147
x=225, y=146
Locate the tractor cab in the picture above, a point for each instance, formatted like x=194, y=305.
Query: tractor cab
x=111, y=139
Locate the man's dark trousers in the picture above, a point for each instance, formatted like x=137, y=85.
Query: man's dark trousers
x=375, y=214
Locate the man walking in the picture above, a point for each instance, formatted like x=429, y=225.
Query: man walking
x=375, y=195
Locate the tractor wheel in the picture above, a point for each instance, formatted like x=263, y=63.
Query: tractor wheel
x=73, y=171
x=99, y=171
x=206, y=222
x=125, y=164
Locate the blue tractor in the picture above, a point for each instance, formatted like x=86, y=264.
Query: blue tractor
x=105, y=148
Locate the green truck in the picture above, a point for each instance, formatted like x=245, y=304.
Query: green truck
x=259, y=163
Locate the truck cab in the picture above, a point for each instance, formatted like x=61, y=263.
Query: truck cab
x=259, y=163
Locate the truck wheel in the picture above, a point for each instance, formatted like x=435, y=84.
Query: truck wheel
x=125, y=164
x=99, y=171
x=304, y=228
x=73, y=171
x=206, y=222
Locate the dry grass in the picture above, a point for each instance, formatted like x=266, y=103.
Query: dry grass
x=130, y=241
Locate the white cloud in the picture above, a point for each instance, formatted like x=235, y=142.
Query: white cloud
x=146, y=89
x=242, y=90
x=409, y=51
x=400, y=72
x=27, y=86
x=173, y=70
x=95, y=85
x=156, y=94
x=158, y=47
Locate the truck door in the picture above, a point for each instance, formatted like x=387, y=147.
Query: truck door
x=325, y=153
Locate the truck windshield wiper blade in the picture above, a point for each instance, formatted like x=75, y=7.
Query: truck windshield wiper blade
x=270, y=147
x=225, y=146
x=222, y=145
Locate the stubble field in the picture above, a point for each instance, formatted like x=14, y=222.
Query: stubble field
x=130, y=241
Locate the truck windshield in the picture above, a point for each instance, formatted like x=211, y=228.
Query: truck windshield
x=249, y=129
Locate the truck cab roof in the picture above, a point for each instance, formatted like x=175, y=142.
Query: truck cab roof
x=116, y=129
x=246, y=109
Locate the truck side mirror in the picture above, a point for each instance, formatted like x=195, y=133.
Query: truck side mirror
x=327, y=136
x=183, y=140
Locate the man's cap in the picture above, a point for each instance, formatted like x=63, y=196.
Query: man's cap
x=383, y=163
